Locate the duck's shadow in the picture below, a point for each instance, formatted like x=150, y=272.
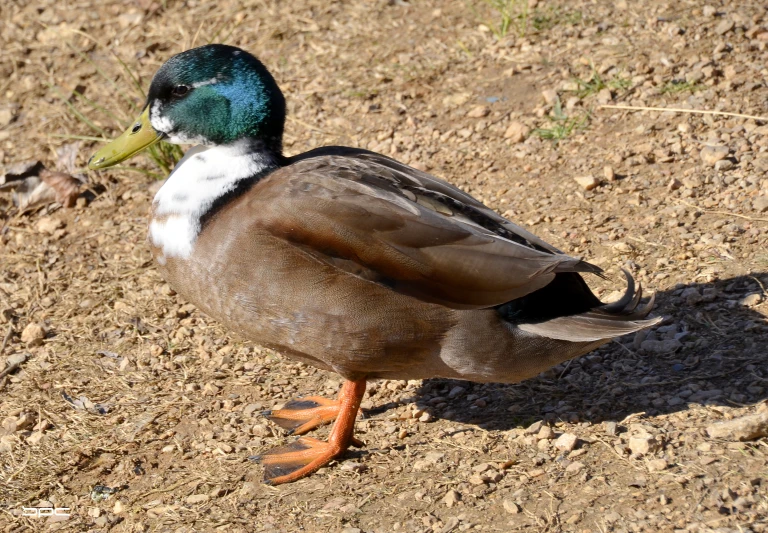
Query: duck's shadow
x=715, y=354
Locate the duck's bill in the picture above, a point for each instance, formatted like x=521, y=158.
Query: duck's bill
x=139, y=135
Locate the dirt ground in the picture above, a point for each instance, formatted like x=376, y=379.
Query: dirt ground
x=125, y=404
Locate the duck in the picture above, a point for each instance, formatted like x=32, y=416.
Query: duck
x=345, y=259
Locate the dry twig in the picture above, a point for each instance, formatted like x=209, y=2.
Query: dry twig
x=683, y=110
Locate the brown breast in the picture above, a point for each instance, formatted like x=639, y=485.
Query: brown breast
x=281, y=296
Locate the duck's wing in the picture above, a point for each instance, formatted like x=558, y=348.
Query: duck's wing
x=418, y=235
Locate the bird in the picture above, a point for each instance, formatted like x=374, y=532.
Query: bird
x=345, y=259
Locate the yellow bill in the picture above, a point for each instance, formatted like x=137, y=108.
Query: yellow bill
x=138, y=136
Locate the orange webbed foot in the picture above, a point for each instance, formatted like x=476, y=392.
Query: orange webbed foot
x=307, y=455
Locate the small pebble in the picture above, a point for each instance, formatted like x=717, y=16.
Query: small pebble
x=643, y=444
x=587, y=182
x=534, y=428
x=751, y=300
x=511, y=507
x=724, y=165
x=545, y=432
x=33, y=334
x=15, y=359
x=566, y=442
x=517, y=132
x=451, y=498
x=550, y=96
x=479, y=112
x=724, y=26
x=49, y=224
x=352, y=466
x=712, y=154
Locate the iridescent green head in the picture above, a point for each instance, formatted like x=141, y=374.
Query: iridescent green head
x=212, y=95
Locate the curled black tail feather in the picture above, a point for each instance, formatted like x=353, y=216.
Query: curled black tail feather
x=601, y=322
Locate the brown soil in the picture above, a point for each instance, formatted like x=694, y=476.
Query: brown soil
x=128, y=387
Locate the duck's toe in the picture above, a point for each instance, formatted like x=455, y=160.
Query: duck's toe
x=297, y=459
x=304, y=414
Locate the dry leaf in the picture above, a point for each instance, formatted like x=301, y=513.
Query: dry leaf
x=19, y=171
x=49, y=187
x=32, y=192
x=67, y=155
x=67, y=187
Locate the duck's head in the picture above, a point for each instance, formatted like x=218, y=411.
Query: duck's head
x=211, y=95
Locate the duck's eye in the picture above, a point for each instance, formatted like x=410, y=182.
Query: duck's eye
x=180, y=90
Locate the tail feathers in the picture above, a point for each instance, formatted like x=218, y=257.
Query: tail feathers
x=601, y=323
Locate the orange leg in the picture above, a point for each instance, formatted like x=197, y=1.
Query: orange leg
x=306, y=455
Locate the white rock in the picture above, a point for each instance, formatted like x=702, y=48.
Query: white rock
x=6, y=116
x=545, y=433
x=712, y=154
x=534, y=428
x=724, y=165
x=15, y=359
x=566, y=442
x=745, y=428
x=451, y=498
x=724, y=27
x=197, y=498
x=604, y=96
x=456, y=99
x=517, y=132
x=550, y=96
x=751, y=300
x=511, y=507
x=574, y=467
x=33, y=334
x=587, y=182
x=49, y=224
x=643, y=444
x=479, y=111
x=35, y=438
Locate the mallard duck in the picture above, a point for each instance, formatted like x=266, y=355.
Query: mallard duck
x=346, y=259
